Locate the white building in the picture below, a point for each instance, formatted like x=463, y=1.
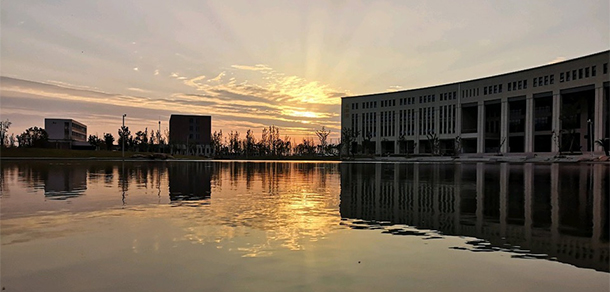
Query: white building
x=561, y=106
x=66, y=133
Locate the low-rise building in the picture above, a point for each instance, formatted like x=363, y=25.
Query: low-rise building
x=66, y=133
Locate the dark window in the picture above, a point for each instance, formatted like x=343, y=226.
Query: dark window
x=605, y=68
x=495, y=88
x=500, y=88
x=524, y=84
x=587, y=72
x=546, y=80
x=580, y=73
x=561, y=77
x=568, y=76
x=535, y=82
x=485, y=90
x=519, y=84
x=509, y=84
x=514, y=85
x=552, y=79
x=573, y=74
x=593, y=71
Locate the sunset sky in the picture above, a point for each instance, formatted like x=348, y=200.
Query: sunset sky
x=251, y=64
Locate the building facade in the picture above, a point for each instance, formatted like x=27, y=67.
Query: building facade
x=66, y=133
x=558, y=107
x=191, y=132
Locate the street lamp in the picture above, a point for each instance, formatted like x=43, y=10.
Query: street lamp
x=123, y=134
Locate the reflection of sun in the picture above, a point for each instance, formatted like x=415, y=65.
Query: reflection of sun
x=300, y=208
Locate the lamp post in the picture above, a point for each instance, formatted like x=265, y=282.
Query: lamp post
x=123, y=134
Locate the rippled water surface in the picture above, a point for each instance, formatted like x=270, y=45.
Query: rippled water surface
x=298, y=226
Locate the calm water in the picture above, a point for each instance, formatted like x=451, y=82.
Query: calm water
x=270, y=226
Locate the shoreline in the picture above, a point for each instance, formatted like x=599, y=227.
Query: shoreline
x=422, y=159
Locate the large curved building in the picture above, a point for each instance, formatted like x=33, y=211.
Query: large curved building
x=562, y=106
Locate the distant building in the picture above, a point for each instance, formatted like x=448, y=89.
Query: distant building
x=192, y=130
x=66, y=134
x=561, y=106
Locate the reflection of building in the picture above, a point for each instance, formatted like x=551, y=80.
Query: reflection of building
x=193, y=131
x=66, y=133
x=63, y=182
x=189, y=181
x=512, y=112
x=521, y=205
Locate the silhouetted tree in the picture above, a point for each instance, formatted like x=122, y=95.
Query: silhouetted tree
x=108, y=141
x=95, y=141
x=33, y=137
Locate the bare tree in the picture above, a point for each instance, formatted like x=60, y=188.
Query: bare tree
x=323, y=137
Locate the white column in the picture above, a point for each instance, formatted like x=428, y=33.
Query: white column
x=481, y=127
x=556, y=124
x=504, y=125
x=529, y=123
x=599, y=116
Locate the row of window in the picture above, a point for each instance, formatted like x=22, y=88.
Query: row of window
x=387, y=103
x=427, y=98
x=578, y=74
x=470, y=92
x=388, y=126
x=492, y=89
x=407, y=100
x=426, y=120
x=546, y=80
x=516, y=85
x=447, y=96
x=407, y=122
x=447, y=119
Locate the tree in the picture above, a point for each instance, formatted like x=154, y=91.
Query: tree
x=124, y=133
x=108, y=141
x=94, y=140
x=4, y=125
x=234, y=142
x=323, y=136
x=217, y=142
x=33, y=137
x=349, y=135
x=249, y=143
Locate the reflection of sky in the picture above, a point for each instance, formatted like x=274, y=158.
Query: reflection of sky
x=267, y=226
x=283, y=64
